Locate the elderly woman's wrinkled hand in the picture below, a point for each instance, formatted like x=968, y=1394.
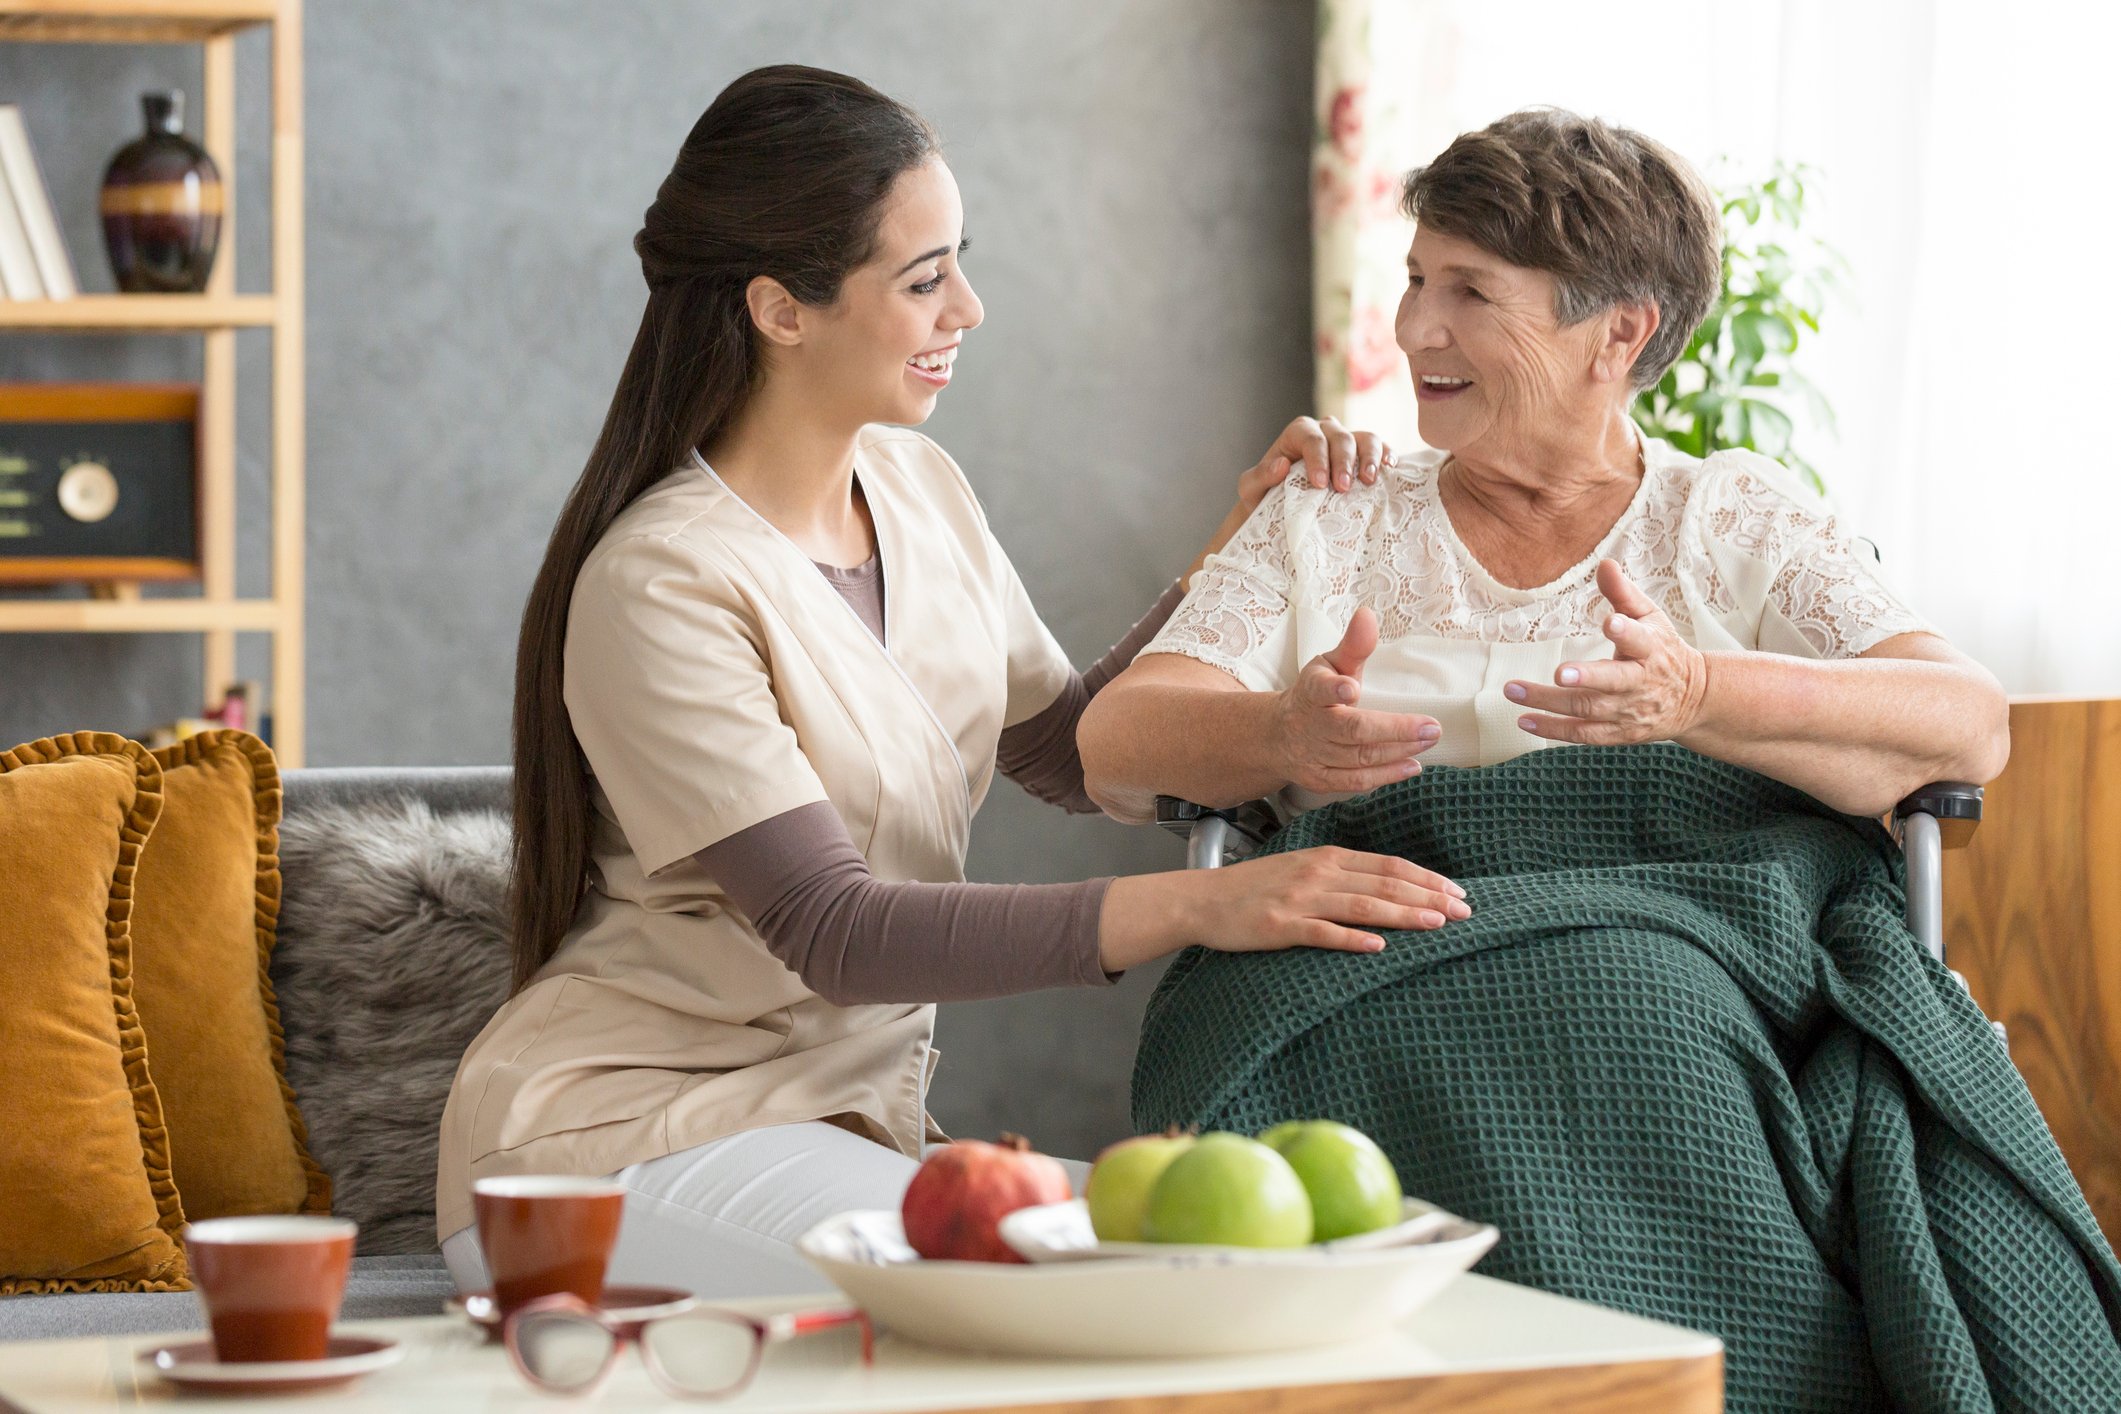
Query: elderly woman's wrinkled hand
x=1326, y=743
x=1651, y=690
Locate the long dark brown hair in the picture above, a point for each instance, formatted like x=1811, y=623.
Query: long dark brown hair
x=785, y=175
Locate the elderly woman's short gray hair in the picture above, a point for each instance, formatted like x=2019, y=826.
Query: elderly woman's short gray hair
x=1614, y=216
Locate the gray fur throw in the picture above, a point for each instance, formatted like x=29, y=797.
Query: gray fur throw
x=392, y=954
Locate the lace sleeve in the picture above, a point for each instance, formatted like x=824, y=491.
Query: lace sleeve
x=1235, y=616
x=1824, y=595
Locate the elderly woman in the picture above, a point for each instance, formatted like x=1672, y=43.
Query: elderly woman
x=1641, y=1102
x=1547, y=574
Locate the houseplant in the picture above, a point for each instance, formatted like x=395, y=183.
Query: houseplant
x=1736, y=385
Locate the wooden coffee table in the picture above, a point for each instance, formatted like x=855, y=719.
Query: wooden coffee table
x=1481, y=1345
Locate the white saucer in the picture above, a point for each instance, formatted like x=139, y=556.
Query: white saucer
x=192, y=1364
x=628, y=1303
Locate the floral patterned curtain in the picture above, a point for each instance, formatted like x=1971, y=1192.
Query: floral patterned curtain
x=1358, y=237
x=1382, y=64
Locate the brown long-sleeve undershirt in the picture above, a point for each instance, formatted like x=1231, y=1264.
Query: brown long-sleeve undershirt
x=854, y=938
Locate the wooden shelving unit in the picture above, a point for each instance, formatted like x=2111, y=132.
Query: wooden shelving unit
x=134, y=21
x=216, y=614
x=120, y=313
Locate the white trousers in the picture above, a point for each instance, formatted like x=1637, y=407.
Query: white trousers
x=721, y=1219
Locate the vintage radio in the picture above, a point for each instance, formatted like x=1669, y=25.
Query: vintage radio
x=98, y=482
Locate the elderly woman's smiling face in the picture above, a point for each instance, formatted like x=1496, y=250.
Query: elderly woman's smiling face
x=1494, y=371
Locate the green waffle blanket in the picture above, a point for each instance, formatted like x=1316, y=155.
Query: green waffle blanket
x=1688, y=1058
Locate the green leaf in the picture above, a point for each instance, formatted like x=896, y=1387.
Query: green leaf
x=1815, y=401
x=1704, y=406
x=1770, y=428
x=1775, y=282
x=1777, y=332
x=1745, y=338
x=1810, y=472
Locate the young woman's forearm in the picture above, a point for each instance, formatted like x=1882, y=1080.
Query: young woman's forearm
x=1232, y=523
x=1040, y=754
x=1142, y=740
x=856, y=939
x=1858, y=733
x=1144, y=917
x=1143, y=752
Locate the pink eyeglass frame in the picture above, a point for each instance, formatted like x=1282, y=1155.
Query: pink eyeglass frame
x=765, y=1331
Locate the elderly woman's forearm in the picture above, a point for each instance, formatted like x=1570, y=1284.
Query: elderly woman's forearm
x=1142, y=740
x=1858, y=733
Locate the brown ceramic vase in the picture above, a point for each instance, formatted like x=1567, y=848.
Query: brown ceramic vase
x=162, y=205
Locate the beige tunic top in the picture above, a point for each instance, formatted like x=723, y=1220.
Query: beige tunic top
x=714, y=680
x=1738, y=551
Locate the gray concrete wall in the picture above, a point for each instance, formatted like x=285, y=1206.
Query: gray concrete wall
x=1134, y=180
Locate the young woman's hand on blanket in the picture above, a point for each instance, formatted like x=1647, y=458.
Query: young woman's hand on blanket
x=1327, y=742
x=1327, y=897
x=1651, y=690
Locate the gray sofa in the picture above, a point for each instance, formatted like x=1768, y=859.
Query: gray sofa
x=375, y=1008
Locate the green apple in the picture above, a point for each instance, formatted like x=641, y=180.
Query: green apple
x=1352, y=1184
x=1120, y=1181
x=1229, y=1190
x=1281, y=1133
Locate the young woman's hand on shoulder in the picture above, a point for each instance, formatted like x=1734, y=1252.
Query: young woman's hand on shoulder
x=1332, y=455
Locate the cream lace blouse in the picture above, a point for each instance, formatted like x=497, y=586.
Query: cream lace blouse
x=1735, y=548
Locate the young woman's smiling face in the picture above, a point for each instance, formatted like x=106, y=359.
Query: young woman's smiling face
x=886, y=345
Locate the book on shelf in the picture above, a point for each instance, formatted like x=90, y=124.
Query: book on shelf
x=33, y=206
x=18, y=266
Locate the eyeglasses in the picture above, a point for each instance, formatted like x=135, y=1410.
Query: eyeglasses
x=563, y=1344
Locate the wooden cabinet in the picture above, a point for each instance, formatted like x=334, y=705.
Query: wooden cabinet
x=2032, y=916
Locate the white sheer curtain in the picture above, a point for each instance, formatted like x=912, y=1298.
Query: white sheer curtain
x=1969, y=175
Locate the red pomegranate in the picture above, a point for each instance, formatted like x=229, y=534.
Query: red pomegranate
x=954, y=1206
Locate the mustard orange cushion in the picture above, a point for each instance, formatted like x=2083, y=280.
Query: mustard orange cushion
x=87, y=1199
x=205, y=908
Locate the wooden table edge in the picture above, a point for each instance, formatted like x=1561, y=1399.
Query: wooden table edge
x=1687, y=1385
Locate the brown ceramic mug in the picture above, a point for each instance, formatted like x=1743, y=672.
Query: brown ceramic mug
x=546, y=1233
x=271, y=1285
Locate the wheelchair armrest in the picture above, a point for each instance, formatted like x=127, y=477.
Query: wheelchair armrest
x=1938, y=817
x=1216, y=835
x=1954, y=805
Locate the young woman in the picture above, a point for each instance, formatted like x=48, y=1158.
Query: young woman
x=766, y=675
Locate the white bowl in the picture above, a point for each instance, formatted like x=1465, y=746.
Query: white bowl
x=1061, y=1232
x=1177, y=1302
